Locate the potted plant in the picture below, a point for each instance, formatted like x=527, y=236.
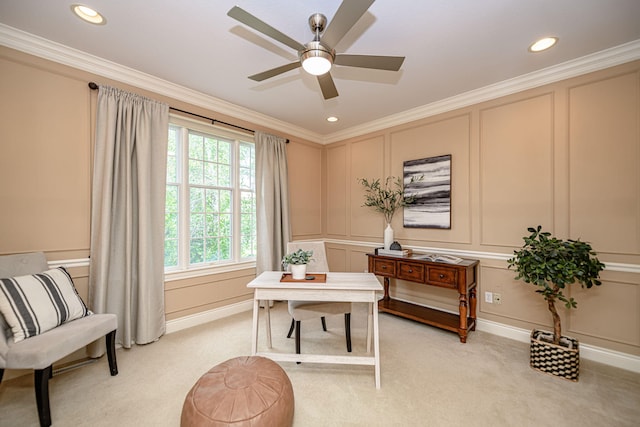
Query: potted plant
x=298, y=261
x=385, y=197
x=552, y=264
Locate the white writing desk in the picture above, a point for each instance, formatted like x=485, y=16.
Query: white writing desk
x=349, y=287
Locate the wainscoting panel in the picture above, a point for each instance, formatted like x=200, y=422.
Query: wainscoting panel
x=367, y=161
x=305, y=191
x=336, y=190
x=516, y=169
x=604, y=145
x=448, y=135
x=622, y=324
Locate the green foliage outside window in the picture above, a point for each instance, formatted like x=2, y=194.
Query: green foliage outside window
x=210, y=200
x=172, y=202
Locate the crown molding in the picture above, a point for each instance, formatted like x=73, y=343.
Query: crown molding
x=47, y=49
x=56, y=52
x=597, y=61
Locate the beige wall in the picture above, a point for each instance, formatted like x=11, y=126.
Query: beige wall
x=565, y=156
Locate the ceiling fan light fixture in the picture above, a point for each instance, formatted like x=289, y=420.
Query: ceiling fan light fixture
x=316, y=59
x=316, y=65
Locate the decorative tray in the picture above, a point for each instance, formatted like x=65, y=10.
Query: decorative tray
x=310, y=277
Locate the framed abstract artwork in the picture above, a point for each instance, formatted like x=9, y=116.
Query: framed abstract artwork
x=428, y=182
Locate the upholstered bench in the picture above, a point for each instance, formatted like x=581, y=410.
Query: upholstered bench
x=241, y=392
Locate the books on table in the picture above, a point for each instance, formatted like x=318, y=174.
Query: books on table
x=439, y=258
x=393, y=252
x=450, y=259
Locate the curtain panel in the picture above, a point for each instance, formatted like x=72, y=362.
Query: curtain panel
x=272, y=201
x=126, y=274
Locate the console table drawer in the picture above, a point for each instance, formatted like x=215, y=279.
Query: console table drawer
x=411, y=272
x=443, y=277
x=383, y=267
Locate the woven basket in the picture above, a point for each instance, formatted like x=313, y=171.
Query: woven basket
x=555, y=359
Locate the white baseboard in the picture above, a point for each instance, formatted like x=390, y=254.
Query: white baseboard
x=589, y=352
x=186, y=322
x=596, y=354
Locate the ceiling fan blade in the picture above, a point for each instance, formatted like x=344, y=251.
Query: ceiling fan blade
x=327, y=86
x=274, y=71
x=390, y=63
x=349, y=12
x=248, y=19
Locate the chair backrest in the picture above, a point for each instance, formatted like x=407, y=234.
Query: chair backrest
x=319, y=262
x=22, y=264
x=13, y=266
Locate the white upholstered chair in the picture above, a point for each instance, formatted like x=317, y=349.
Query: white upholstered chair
x=39, y=352
x=303, y=310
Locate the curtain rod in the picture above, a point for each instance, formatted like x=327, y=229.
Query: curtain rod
x=94, y=86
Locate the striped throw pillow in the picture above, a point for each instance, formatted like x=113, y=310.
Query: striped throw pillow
x=39, y=302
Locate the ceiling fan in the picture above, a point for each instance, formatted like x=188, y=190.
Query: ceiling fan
x=318, y=56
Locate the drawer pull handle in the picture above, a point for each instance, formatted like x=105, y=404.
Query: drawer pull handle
x=410, y=271
x=384, y=267
x=441, y=276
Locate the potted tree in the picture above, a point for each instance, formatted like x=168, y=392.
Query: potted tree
x=385, y=197
x=552, y=264
x=298, y=261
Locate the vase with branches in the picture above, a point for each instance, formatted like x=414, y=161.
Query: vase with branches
x=385, y=197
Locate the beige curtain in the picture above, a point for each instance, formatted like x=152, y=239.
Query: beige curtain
x=126, y=275
x=272, y=201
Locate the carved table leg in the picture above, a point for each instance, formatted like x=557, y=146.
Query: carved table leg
x=462, y=330
x=386, y=289
x=473, y=302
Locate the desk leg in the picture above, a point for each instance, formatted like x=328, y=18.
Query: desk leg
x=369, y=326
x=376, y=346
x=254, y=327
x=268, y=320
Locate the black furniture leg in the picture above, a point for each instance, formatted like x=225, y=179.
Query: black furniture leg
x=298, y=338
x=347, y=330
x=41, y=383
x=324, y=324
x=291, y=328
x=111, y=352
x=1, y=374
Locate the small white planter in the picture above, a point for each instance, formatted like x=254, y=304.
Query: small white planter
x=298, y=271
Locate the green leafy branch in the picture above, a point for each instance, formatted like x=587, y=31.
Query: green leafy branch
x=386, y=197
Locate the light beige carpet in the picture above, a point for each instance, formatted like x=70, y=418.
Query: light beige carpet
x=428, y=378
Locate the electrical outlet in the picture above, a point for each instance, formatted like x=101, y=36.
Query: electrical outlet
x=497, y=298
x=488, y=297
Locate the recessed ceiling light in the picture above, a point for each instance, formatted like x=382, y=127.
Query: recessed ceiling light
x=88, y=14
x=543, y=44
x=332, y=119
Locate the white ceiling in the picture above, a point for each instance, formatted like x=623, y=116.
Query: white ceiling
x=451, y=47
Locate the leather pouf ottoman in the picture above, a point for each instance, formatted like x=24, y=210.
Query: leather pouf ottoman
x=241, y=392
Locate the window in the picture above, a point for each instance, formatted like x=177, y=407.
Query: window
x=210, y=216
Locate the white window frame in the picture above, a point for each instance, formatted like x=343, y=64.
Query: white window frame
x=184, y=270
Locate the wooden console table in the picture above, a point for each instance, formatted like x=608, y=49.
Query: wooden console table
x=461, y=277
